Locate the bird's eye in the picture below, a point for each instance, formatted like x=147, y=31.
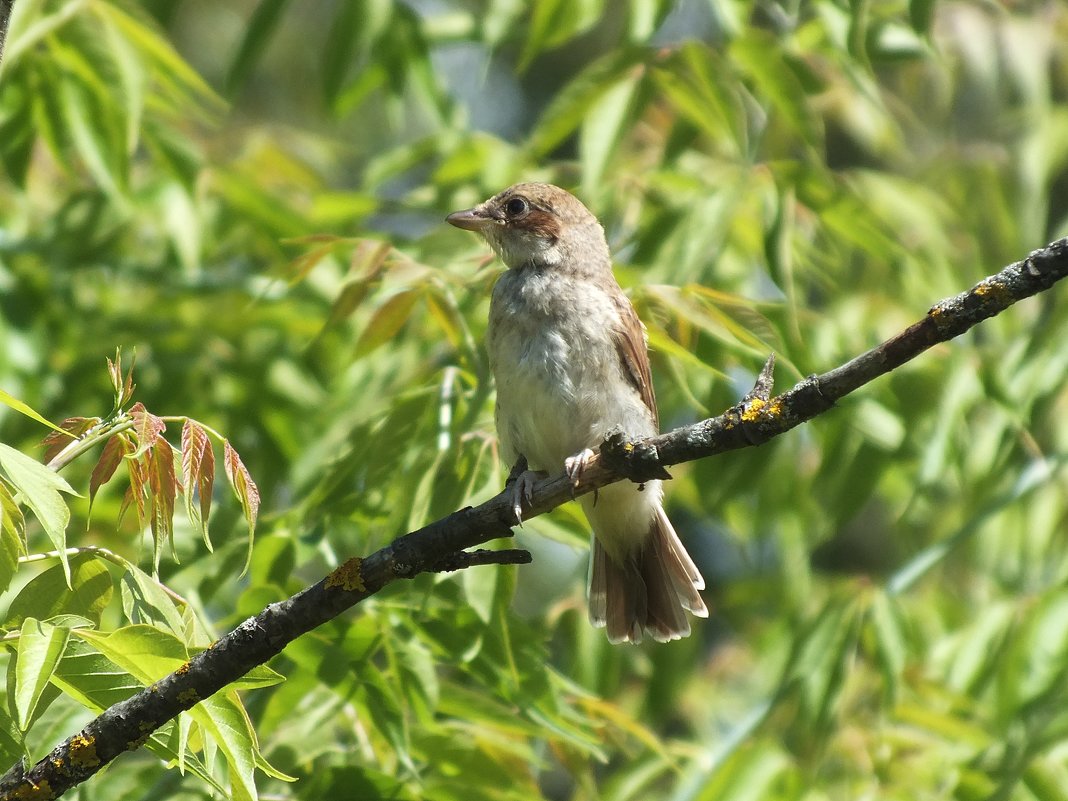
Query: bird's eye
x=516, y=206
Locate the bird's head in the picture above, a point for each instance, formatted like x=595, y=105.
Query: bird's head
x=537, y=224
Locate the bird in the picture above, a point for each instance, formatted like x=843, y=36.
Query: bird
x=570, y=360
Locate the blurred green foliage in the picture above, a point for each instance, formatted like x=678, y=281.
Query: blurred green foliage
x=250, y=196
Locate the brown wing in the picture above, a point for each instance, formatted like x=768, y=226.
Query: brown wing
x=634, y=354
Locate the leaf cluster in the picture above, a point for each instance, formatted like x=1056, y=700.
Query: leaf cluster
x=253, y=199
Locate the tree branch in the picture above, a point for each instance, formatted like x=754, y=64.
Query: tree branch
x=5, y=19
x=440, y=545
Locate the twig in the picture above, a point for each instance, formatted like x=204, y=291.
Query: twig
x=465, y=559
x=756, y=419
x=5, y=19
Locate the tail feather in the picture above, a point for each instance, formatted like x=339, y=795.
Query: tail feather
x=648, y=591
x=618, y=599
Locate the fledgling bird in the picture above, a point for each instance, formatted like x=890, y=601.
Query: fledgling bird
x=569, y=357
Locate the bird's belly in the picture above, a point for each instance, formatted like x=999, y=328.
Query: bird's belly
x=557, y=396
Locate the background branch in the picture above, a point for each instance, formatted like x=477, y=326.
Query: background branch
x=438, y=546
x=5, y=20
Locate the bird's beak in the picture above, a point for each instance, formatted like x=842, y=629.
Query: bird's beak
x=469, y=219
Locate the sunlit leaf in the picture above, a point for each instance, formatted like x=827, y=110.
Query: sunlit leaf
x=39, y=487
x=47, y=595
x=22, y=408
x=39, y=650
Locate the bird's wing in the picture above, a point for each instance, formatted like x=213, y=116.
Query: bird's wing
x=634, y=354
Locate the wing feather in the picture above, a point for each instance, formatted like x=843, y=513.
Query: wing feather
x=634, y=353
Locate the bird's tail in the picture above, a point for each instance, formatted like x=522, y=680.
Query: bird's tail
x=649, y=590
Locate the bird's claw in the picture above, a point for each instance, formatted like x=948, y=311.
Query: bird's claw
x=523, y=492
x=575, y=465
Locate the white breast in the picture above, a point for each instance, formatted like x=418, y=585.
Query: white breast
x=560, y=385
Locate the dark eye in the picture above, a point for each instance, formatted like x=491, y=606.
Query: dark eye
x=516, y=206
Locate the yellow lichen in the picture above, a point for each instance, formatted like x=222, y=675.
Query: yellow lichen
x=992, y=290
x=183, y=669
x=83, y=752
x=147, y=727
x=28, y=791
x=347, y=576
x=753, y=410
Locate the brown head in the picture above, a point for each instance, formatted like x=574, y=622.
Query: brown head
x=540, y=224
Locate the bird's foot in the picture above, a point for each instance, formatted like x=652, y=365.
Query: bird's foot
x=522, y=492
x=575, y=465
x=521, y=482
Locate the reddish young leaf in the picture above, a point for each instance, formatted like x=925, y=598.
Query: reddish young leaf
x=306, y=262
x=245, y=489
x=124, y=388
x=115, y=372
x=163, y=487
x=369, y=259
x=55, y=441
x=198, y=473
x=114, y=449
x=127, y=499
x=138, y=469
x=147, y=428
x=127, y=389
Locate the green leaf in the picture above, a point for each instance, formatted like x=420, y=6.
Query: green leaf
x=480, y=588
x=387, y=321
x=758, y=55
x=145, y=600
x=29, y=26
x=751, y=774
x=258, y=32
x=98, y=683
x=25, y=409
x=39, y=487
x=48, y=594
x=921, y=13
x=570, y=106
x=86, y=123
x=697, y=82
x=40, y=648
x=555, y=21
x=145, y=652
x=12, y=745
x=12, y=537
x=887, y=625
x=157, y=50
x=604, y=126
x=150, y=654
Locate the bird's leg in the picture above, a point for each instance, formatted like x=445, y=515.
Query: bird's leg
x=522, y=481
